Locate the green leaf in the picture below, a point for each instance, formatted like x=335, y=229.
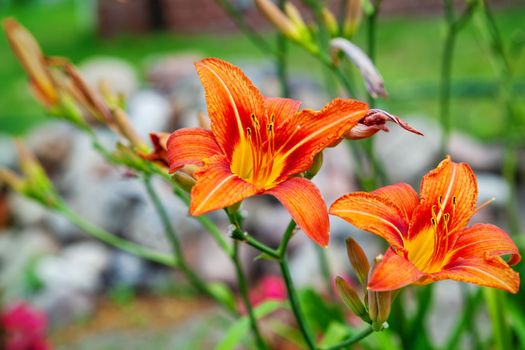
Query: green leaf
x=319, y=312
x=224, y=294
x=241, y=327
x=335, y=333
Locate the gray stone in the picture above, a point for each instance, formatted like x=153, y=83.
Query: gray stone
x=166, y=71
x=148, y=111
x=117, y=73
x=479, y=156
x=26, y=212
x=125, y=269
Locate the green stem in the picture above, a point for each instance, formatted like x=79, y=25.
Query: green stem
x=353, y=340
x=243, y=289
x=281, y=60
x=288, y=233
x=294, y=303
x=115, y=241
x=496, y=307
x=325, y=269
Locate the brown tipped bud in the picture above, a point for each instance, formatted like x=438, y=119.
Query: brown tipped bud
x=373, y=80
x=379, y=304
x=358, y=259
x=350, y=298
x=12, y=180
x=184, y=177
x=30, y=55
x=278, y=18
x=354, y=13
x=330, y=21
x=316, y=166
x=374, y=121
x=127, y=130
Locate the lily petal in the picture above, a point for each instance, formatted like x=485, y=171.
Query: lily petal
x=159, y=141
x=281, y=108
x=307, y=207
x=231, y=99
x=494, y=273
x=402, y=195
x=190, y=146
x=373, y=213
x=309, y=132
x=450, y=188
x=217, y=187
x=485, y=241
x=393, y=272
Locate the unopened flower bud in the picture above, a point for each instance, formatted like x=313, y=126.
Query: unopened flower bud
x=12, y=180
x=30, y=55
x=351, y=299
x=316, y=166
x=354, y=13
x=278, y=18
x=127, y=130
x=373, y=80
x=379, y=304
x=184, y=177
x=358, y=259
x=330, y=21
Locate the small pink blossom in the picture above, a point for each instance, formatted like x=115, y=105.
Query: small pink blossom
x=25, y=328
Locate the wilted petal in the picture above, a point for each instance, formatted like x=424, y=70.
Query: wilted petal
x=374, y=121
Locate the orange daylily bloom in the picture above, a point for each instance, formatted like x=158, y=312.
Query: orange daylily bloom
x=256, y=145
x=429, y=237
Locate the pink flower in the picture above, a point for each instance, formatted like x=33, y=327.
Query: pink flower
x=25, y=328
x=269, y=287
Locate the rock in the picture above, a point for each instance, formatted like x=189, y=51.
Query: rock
x=8, y=155
x=148, y=111
x=25, y=211
x=492, y=186
x=18, y=252
x=166, y=71
x=78, y=267
x=479, y=156
x=117, y=73
x=125, y=270
x=406, y=156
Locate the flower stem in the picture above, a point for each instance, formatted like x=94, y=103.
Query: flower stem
x=281, y=60
x=495, y=302
x=325, y=269
x=115, y=241
x=352, y=340
x=243, y=289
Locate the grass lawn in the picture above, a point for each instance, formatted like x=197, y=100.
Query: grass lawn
x=409, y=51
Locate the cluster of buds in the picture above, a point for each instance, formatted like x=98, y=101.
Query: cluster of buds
x=374, y=308
x=59, y=87
x=34, y=183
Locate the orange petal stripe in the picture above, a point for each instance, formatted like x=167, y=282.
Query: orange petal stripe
x=280, y=108
x=190, y=146
x=217, y=187
x=307, y=207
x=402, y=195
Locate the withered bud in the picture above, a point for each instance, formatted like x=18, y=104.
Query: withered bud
x=358, y=259
x=373, y=80
x=374, y=121
x=354, y=13
x=28, y=51
x=278, y=18
x=351, y=298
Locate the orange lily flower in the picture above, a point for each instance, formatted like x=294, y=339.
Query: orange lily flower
x=256, y=145
x=429, y=237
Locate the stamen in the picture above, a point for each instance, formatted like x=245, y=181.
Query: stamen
x=484, y=205
x=440, y=201
x=434, y=223
x=434, y=212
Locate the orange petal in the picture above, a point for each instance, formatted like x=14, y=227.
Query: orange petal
x=231, y=99
x=307, y=133
x=492, y=272
x=280, y=108
x=190, y=146
x=485, y=241
x=393, y=272
x=454, y=186
x=373, y=213
x=159, y=141
x=306, y=205
x=403, y=196
x=217, y=187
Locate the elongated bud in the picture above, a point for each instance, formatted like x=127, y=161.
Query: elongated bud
x=373, y=80
x=330, y=21
x=184, y=177
x=294, y=15
x=379, y=304
x=358, y=259
x=278, y=18
x=354, y=13
x=30, y=55
x=127, y=130
x=316, y=166
x=12, y=180
x=351, y=299
x=374, y=121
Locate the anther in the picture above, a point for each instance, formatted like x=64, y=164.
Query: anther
x=440, y=200
x=249, y=131
x=433, y=221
